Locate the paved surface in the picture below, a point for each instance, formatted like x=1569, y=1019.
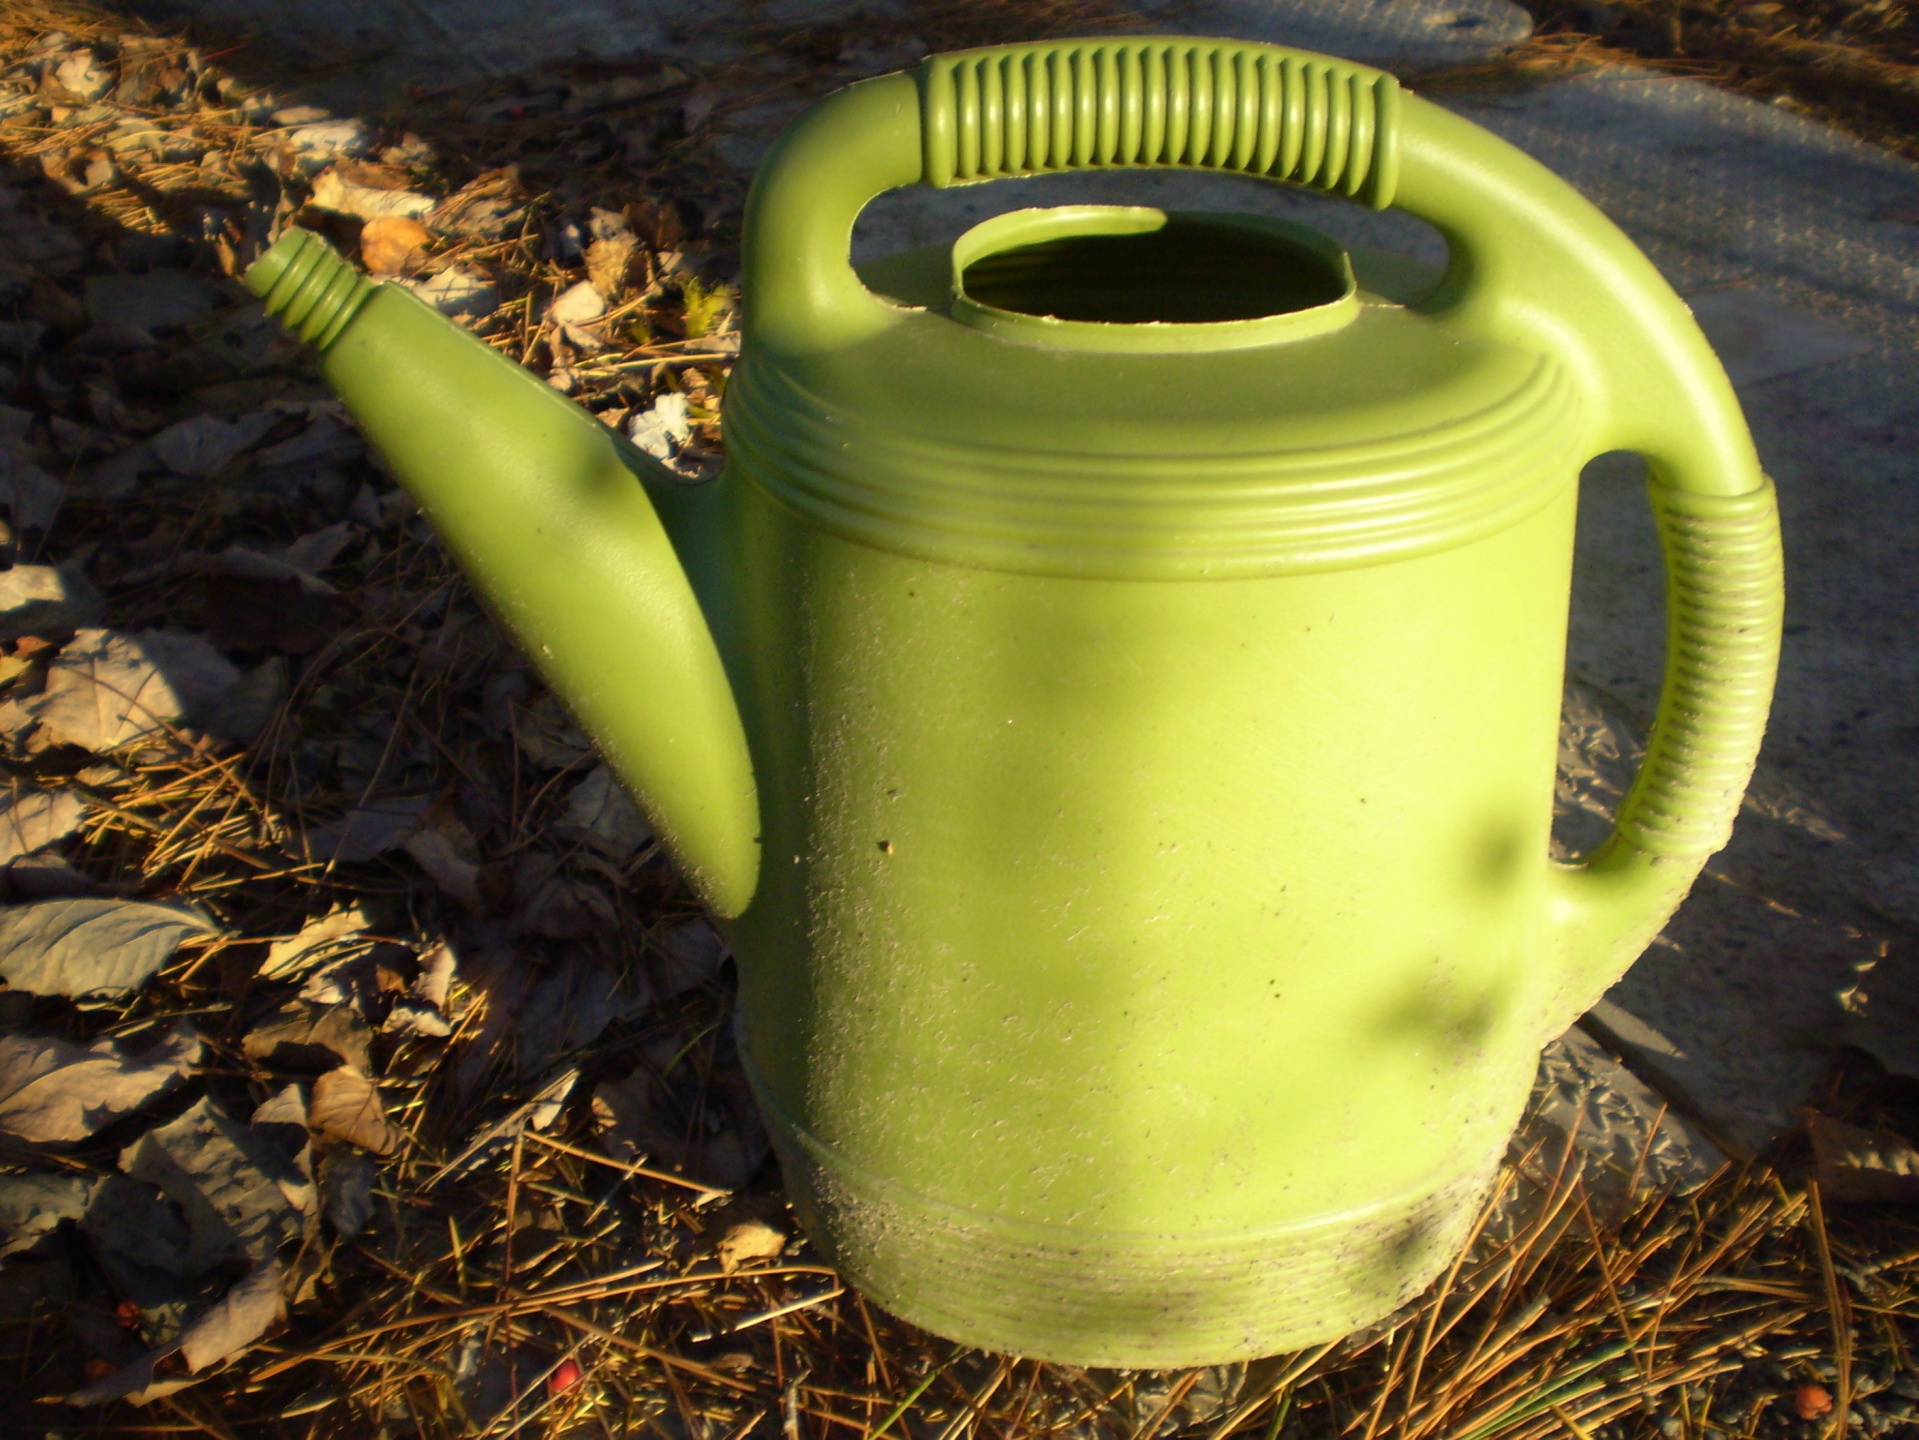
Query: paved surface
x=1800, y=251
x=446, y=41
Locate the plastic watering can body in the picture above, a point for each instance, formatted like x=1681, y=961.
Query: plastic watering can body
x=1112, y=691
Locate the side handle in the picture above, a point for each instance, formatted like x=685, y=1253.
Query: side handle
x=1725, y=599
x=1536, y=265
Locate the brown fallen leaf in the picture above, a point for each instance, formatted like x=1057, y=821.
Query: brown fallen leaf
x=346, y=1106
x=242, y=1194
x=242, y=1316
x=317, y=942
x=610, y=263
x=748, y=1240
x=230, y=1327
x=303, y=1036
x=54, y=1093
x=107, y=689
x=605, y=814
x=369, y=190
x=444, y=847
x=32, y=819
x=91, y=945
x=369, y=831
x=489, y=206
x=394, y=245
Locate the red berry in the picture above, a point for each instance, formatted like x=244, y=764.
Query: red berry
x=1812, y=1402
x=567, y=1376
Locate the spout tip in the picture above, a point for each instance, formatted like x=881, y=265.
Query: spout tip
x=308, y=287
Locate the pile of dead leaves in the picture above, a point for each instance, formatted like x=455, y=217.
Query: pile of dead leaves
x=320, y=905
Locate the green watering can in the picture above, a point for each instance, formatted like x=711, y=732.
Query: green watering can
x=1111, y=695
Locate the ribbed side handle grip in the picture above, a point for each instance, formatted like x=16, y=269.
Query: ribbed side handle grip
x=1724, y=596
x=1252, y=109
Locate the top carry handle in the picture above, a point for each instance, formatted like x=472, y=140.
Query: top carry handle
x=1532, y=264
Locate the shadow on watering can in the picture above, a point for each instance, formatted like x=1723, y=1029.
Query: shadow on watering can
x=1111, y=695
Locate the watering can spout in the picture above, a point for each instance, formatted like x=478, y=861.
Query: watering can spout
x=545, y=510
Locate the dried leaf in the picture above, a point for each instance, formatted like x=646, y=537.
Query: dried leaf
x=547, y=735
x=749, y=1240
x=246, y=1313
x=457, y=293
x=317, y=942
x=226, y=1179
x=585, y=95
x=609, y=263
x=599, y=806
x=446, y=850
x=34, y=1204
x=115, y=477
x=368, y=832
x=437, y=969
x=665, y=432
x=229, y=1328
x=55, y=1093
x=692, y=954
x=293, y=614
x=716, y=1139
x=410, y=1017
x=137, y=1233
x=33, y=819
x=575, y=310
x=240, y=562
x=83, y=76
x=138, y=1382
x=281, y=1120
x=142, y=1241
x=302, y=1036
x=50, y=601
x=347, y=1107
x=107, y=689
x=394, y=245
x=315, y=145
x=346, y=1188
x=45, y=875
x=284, y=1107
x=486, y=208
x=244, y=712
x=31, y=496
x=556, y=905
x=423, y=1011
x=318, y=550
x=550, y=1100
x=698, y=106
x=369, y=190
x=91, y=947
x=201, y=444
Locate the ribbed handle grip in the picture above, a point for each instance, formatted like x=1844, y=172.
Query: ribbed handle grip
x=1724, y=598
x=1010, y=110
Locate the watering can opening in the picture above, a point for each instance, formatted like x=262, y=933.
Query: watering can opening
x=1120, y=276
